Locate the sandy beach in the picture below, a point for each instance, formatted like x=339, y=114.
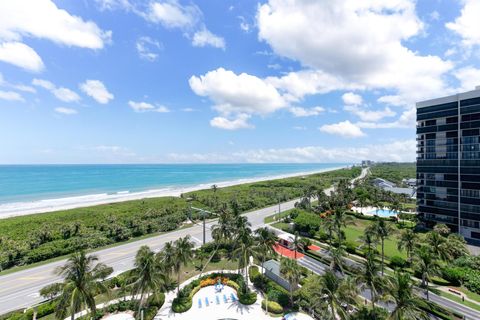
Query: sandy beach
x=49, y=205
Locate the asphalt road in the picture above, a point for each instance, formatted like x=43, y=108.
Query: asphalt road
x=20, y=289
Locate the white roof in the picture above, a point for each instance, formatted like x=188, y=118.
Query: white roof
x=286, y=236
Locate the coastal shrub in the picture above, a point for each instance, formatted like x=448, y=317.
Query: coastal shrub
x=233, y=285
x=351, y=247
x=454, y=275
x=253, y=273
x=272, y=307
x=279, y=296
x=472, y=281
x=181, y=304
x=397, y=262
x=247, y=298
x=307, y=222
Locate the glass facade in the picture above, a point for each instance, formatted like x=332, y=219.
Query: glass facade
x=448, y=163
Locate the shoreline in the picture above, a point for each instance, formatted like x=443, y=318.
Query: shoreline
x=15, y=209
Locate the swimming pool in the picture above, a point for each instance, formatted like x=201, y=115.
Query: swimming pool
x=383, y=213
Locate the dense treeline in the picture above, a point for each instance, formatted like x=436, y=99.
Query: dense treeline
x=394, y=172
x=29, y=239
x=33, y=238
x=261, y=194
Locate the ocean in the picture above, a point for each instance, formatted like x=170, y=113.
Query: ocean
x=21, y=186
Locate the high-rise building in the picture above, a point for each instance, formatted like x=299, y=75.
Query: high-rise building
x=448, y=162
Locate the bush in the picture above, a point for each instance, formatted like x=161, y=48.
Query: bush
x=454, y=275
x=278, y=296
x=46, y=309
x=307, y=222
x=472, y=281
x=397, y=262
x=351, y=247
x=247, y=298
x=253, y=273
x=233, y=285
x=181, y=304
x=273, y=307
x=156, y=300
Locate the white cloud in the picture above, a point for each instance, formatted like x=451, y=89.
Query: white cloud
x=352, y=99
x=469, y=78
x=401, y=151
x=43, y=19
x=147, y=107
x=240, y=122
x=11, y=96
x=303, y=112
x=171, y=14
x=114, y=4
x=148, y=48
x=188, y=109
x=20, y=55
x=370, y=115
x=467, y=25
x=204, y=38
x=43, y=83
x=345, y=55
x=237, y=94
x=67, y=111
x=406, y=120
x=345, y=129
x=19, y=87
x=63, y=94
x=97, y=90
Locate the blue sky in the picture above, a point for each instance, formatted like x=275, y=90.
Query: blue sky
x=123, y=81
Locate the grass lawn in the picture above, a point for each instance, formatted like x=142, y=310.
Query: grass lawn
x=354, y=232
x=274, y=217
x=456, y=298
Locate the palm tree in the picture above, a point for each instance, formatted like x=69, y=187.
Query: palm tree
x=147, y=276
x=246, y=248
x=265, y=239
x=382, y=231
x=341, y=220
x=408, y=241
x=296, y=243
x=166, y=257
x=438, y=245
x=290, y=269
x=335, y=292
x=456, y=246
x=182, y=255
x=370, y=278
x=81, y=284
x=408, y=306
x=329, y=225
x=337, y=254
x=442, y=228
x=426, y=265
x=215, y=199
x=368, y=240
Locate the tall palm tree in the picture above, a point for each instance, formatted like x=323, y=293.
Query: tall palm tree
x=81, y=284
x=341, y=220
x=182, y=255
x=369, y=277
x=382, y=231
x=335, y=292
x=147, y=276
x=296, y=243
x=408, y=306
x=290, y=269
x=368, y=240
x=337, y=255
x=329, y=225
x=245, y=248
x=265, y=239
x=426, y=264
x=438, y=245
x=166, y=257
x=408, y=241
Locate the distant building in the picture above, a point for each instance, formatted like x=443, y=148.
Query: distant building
x=410, y=192
x=382, y=183
x=448, y=162
x=272, y=271
x=367, y=163
x=410, y=182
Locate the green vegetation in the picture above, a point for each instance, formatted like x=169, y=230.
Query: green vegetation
x=394, y=172
x=31, y=239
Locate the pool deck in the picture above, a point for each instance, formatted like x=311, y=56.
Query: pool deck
x=369, y=211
